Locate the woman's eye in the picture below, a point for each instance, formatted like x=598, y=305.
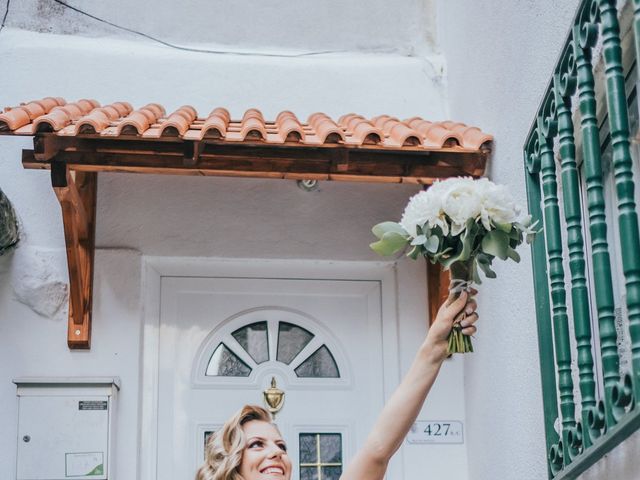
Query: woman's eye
x=283, y=447
x=256, y=443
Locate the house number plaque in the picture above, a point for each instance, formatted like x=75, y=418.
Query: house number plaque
x=436, y=431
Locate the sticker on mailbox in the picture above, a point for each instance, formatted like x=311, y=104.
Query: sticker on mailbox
x=84, y=464
x=92, y=405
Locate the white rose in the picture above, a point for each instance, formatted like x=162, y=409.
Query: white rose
x=497, y=205
x=461, y=202
x=422, y=208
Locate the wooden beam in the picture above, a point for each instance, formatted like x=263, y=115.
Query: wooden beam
x=358, y=165
x=76, y=192
x=437, y=288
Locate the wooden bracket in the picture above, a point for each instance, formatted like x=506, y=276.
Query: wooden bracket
x=437, y=287
x=76, y=192
x=46, y=147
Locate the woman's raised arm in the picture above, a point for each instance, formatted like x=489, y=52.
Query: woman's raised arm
x=399, y=413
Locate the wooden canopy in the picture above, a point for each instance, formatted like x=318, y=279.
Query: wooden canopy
x=77, y=140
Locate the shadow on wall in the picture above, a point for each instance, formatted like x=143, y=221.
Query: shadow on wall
x=35, y=280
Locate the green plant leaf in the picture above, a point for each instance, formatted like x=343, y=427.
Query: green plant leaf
x=380, y=229
x=464, y=246
x=414, y=252
x=433, y=242
x=474, y=273
x=390, y=243
x=486, y=269
x=419, y=240
x=496, y=243
x=504, y=227
x=513, y=255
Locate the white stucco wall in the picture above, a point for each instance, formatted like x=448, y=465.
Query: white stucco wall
x=142, y=215
x=279, y=26
x=499, y=61
x=33, y=345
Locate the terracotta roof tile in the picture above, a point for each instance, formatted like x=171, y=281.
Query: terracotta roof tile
x=178, y=122
x=434, y=134
x=472, y=136
x=289, y=127
x=22, y=115
x=87, y=117
x=398, y=133
x=100, y=118
x=139, y=121
x=62, y=115
x=361, y=130
x=215, y=125
x=326, y=129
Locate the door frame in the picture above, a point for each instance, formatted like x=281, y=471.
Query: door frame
x=155, y=268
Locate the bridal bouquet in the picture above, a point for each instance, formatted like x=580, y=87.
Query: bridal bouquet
x=463, y=224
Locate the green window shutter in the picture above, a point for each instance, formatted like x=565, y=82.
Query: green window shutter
x=554, y=167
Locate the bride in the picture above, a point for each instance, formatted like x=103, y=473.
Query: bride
x=249, y=445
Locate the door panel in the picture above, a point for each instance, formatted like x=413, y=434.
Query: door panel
x=199, y=314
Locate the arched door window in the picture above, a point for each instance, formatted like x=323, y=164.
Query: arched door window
x=263, y=339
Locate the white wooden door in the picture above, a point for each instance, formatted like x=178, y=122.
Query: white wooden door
x=222, y=340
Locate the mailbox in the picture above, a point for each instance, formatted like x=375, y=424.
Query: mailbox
x=66, y=427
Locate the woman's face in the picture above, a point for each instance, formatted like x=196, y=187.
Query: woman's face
x=265, y=454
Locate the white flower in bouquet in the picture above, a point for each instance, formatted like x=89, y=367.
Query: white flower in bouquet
x=421, y=209
x=463, y=224
x=462, y=201
x=497, y=205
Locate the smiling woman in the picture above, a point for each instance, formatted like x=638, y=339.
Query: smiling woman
x=249, y=446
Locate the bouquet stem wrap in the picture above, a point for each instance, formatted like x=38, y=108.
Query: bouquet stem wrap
x=461, y=281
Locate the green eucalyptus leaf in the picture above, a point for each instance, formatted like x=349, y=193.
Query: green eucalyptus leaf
x=390, y=243
x=419, y=240
x=486, y=269
x=496, y=243
x=513, y=255
x=433, y=242
x=474, y=273
x=380, y=229
x=414, y=252
x=484, y=258
x=466, y=244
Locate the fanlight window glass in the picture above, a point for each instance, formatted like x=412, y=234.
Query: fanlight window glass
x=290, y=350
x=254, y=339
x=225, y=363
x=291, y=340
x=320, y=364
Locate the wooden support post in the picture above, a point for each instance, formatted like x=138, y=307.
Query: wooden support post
x=437, y=287
x=76, y=192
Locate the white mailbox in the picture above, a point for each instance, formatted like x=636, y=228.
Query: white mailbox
x=66, y=427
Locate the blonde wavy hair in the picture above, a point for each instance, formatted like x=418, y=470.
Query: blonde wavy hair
x=223, y=453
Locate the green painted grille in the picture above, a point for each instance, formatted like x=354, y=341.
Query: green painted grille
x=576, y=309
